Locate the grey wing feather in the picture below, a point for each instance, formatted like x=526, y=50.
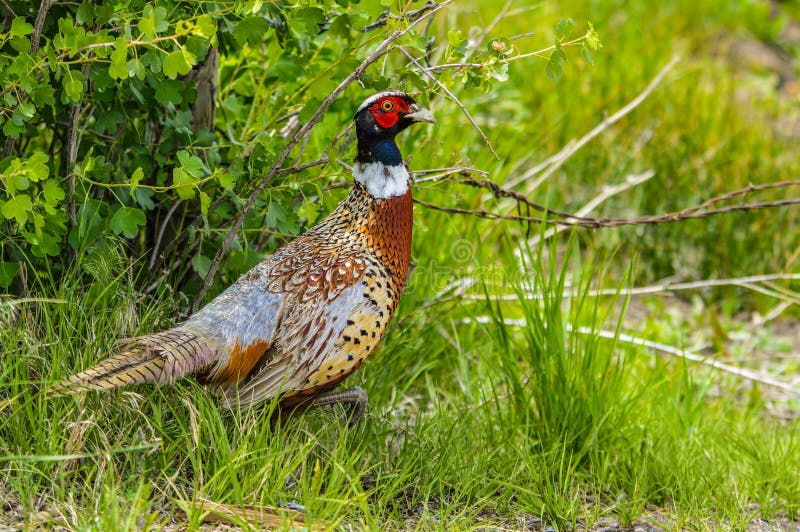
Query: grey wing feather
x=243, y=314
x=316, y=329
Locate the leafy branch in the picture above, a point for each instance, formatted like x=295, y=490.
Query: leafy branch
x=356, y=74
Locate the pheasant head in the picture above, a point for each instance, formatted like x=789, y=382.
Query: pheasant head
x=379, y=165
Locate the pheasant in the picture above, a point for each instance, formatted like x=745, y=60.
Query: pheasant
x=299, y=322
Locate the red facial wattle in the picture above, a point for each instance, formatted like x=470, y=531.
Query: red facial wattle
x=387, y=110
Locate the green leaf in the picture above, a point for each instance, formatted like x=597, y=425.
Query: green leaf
x=17, y=208
x=73, y=85
x=127, y=221
x=308, y=19
x=144, y=197
x=201, y=264
x=226, y=180
x=135, y=67
x=205, y=26
x=53, y=193
x=587, y=55
x=152, y=60
x=137, y=176
x=178, y=63
x=43, y=243
x=564, y=28
x=12, y=130
x=15, y=182
x=153, y=21
x=36, y=166
x=85, y=14
x=555, y=65
x=341, y=27
x=181, y=180
x=21, y=44
x=169, y=91
x=308, y=211
x=454, y=37
x=20, y=28
x=205, y=201
x=250, y=30
x=147, y=24
x=119, y=60
x=7, y=272
x=191, y=163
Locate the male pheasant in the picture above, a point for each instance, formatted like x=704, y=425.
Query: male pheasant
x=303, y=319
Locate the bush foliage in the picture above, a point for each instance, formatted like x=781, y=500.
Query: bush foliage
x=108, y=123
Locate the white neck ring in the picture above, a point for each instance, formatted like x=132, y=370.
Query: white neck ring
x=382, y=181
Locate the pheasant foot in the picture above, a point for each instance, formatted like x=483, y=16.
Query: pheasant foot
x=355, y=398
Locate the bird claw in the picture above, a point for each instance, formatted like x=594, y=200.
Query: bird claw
x=356, y=398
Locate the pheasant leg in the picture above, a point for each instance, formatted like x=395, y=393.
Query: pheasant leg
x=356, y=398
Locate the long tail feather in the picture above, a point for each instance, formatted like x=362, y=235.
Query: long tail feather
x=160, y=358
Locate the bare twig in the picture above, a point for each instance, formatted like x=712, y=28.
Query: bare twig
x=379, y=51
x=572, y=147
x=663, y=348
x=37, y=26
x=779, y=309
x=69, y=152
x=688, y=355
x=563, y=218
x=745, y=282
x=437, y=174
x=8, y=7
x=608, y=192
x=170, y=212
x=445, y=66
x=411, y=16
x=452, y=97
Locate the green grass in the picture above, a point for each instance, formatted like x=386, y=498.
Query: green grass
x=469, y=422
x=474, y=419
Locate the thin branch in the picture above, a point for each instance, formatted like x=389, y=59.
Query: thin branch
x=8, y=7
x=445, y=66
x=441, y=173
x=608, y=192
x=37, y=26
x=564, y=218
x=572, y=147
x=170, y=212
x=381, y=50
x=452, y=97
x=779, y=309
x=300, y=167
x=411, y=16
x=663, y=348
x=688, y=355
x=744, y=282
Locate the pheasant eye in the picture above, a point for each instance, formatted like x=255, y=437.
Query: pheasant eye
x=387, y=105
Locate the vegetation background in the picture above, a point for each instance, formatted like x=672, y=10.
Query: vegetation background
x=531, y=379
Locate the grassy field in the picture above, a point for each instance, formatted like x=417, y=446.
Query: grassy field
x=507, y=394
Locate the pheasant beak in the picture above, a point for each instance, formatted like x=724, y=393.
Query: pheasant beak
x=419, y=114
